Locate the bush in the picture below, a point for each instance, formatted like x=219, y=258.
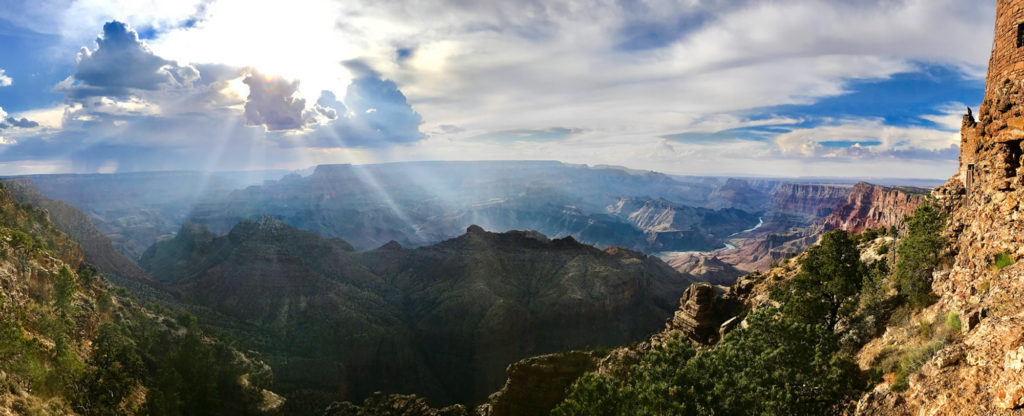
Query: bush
x=919, y=254
x=883, y=249
x=912, y=360
x=64, y=289
x=953, y=321
x=1002, y=261
x=774, y=366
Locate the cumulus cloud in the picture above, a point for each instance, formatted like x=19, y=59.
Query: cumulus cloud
x=7, y=121
x=863, y=138
x=272, y=102
x=22, y=122
x=328, y=106
x=5, y=81
x=375, y=113
x=122, y=63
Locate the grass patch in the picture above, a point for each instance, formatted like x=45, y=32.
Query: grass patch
x=1002, y=261
x=953, y=321
x=931, y=337
x=912, y=360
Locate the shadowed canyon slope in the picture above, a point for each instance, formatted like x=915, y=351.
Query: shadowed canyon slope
x=442, y=320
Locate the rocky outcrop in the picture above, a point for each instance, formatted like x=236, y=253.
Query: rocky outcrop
x=380, y=404
x=537, y=384
x=871, y=206
x=696, y=314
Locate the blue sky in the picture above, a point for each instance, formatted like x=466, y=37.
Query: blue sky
x=866, y=88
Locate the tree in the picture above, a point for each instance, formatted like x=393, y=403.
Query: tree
x=825, y=290
x=116, y=369
x=775, y=366
x=64, y=289
x=919, y=253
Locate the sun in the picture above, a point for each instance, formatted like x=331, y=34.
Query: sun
x=297, y=41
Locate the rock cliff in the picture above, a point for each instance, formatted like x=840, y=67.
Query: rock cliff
x=807, y=200
x=872, y=207
x=97, y=247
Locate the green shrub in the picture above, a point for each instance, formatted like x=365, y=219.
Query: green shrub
x=775, y=366
x=953, y=321
x=925, y=330
x=919, y=254
x=105, y=302
x=1002, y=261
x=831, y=276
x=883, y=249
x=912, y=360
x=64, y=289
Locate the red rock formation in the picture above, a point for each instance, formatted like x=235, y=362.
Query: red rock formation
x=810, y=200
x=872, y=206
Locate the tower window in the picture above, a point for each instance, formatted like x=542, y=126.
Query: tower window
x=1020, y=34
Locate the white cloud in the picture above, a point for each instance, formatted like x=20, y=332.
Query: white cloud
x=810, y=142
x=5, y=81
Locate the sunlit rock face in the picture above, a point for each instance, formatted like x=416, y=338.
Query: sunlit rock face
x=986, y=221
x=872, y=207
x=695, y=316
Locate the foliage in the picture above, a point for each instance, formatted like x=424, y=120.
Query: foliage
x=912, y=360
x=953, y=321
x=64, y=289
x=919, y=253
x=931, y=337
x=115, y=368
x=1002, y=261
x=883, y=249
x=183, y=375
x=830, y=278
x=775, y=366
x=59, y=359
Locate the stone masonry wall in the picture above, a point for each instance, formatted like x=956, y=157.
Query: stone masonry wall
x=1007, y=59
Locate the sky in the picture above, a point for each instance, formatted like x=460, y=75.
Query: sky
x=837, y=88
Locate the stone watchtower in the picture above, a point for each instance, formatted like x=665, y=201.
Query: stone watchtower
x=1007, y=60
x=990, y=149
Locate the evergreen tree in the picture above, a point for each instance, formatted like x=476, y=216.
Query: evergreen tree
x=919, y=253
